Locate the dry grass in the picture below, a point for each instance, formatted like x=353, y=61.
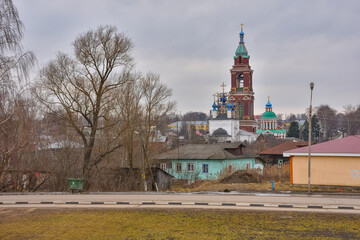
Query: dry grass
x=275, y=173
x=216, y=186
x=262, y=182
x=175, y=224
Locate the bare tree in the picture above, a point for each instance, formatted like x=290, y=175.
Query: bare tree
x=328, y=121
x=86, y=88
x=16, y=111
x=16, y=134
x=155, y=104
x=57, y=152
x=195, y=116
x=291, y=117
x=14, y=62
x=129, y=100
x=351, y=120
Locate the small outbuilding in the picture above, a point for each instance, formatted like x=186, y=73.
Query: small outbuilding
x=335, y=162
x=274, y=155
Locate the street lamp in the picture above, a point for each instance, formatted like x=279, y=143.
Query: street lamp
x=310, y=109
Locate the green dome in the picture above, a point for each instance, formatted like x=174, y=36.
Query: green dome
x=241, y=50
x=268, y=115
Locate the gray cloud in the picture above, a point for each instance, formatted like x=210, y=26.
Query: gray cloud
x=191, y=44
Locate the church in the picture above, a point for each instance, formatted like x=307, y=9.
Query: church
x=268, y=123
x=232, y=115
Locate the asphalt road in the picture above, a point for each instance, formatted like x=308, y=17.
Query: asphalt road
x=256, y=201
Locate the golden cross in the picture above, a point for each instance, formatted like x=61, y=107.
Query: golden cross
x=214, y=96
x=269, y=99
x=242, y=26
x=223, y=86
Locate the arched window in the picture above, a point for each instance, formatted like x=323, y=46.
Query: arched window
x=240, y=82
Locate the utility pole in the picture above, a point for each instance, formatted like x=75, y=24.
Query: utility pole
x=310, y=109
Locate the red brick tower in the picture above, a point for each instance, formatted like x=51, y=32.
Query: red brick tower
x=242, y=93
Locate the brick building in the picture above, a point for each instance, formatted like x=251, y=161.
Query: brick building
x=242, y=92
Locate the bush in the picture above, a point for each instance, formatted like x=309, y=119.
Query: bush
x=276, y=174
x=255, y=176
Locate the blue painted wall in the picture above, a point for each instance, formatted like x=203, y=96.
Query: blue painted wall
x=215, y=168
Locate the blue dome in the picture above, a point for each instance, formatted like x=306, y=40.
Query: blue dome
x=228, y=106
x=214, y=106
x=242, y=36
x=223, y=99
x=268, y=104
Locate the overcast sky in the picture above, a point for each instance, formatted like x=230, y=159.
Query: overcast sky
x=191, y=45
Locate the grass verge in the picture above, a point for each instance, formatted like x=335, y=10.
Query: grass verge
x=216, y=186
x=174, y=224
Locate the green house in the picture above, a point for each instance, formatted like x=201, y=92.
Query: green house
x=205, y=161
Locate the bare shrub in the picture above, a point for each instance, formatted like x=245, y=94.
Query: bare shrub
x=267, y=174
x=225, y=172
x=274, y=173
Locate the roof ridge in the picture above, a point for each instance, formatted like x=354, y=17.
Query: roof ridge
x=341, y=145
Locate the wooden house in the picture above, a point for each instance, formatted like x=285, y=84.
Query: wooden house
x=206, y=161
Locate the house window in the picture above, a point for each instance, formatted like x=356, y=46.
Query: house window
x=280, y=163
x=178, y=167
x=163, y=166
x=205, y=168
x=190, y=167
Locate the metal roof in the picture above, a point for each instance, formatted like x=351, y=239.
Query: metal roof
x=268, y=114
x=286, y=146
x=202, y=152
x=348, y=146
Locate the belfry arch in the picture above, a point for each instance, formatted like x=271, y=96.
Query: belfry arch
x=240, y=82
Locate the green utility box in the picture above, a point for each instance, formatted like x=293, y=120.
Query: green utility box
x=75, y=183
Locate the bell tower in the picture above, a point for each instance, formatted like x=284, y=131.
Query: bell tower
x=242, y=93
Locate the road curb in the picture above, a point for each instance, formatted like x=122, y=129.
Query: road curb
x=187, y=203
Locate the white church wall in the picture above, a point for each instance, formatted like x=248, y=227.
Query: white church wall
x=232, y=127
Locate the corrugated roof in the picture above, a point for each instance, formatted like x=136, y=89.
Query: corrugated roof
x=347, y=145
x=269, y=139
x=202, y=151
x=279, y=149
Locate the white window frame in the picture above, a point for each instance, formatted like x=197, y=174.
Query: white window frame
x=178, y=167
x=163, y=166
x=190, y=167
